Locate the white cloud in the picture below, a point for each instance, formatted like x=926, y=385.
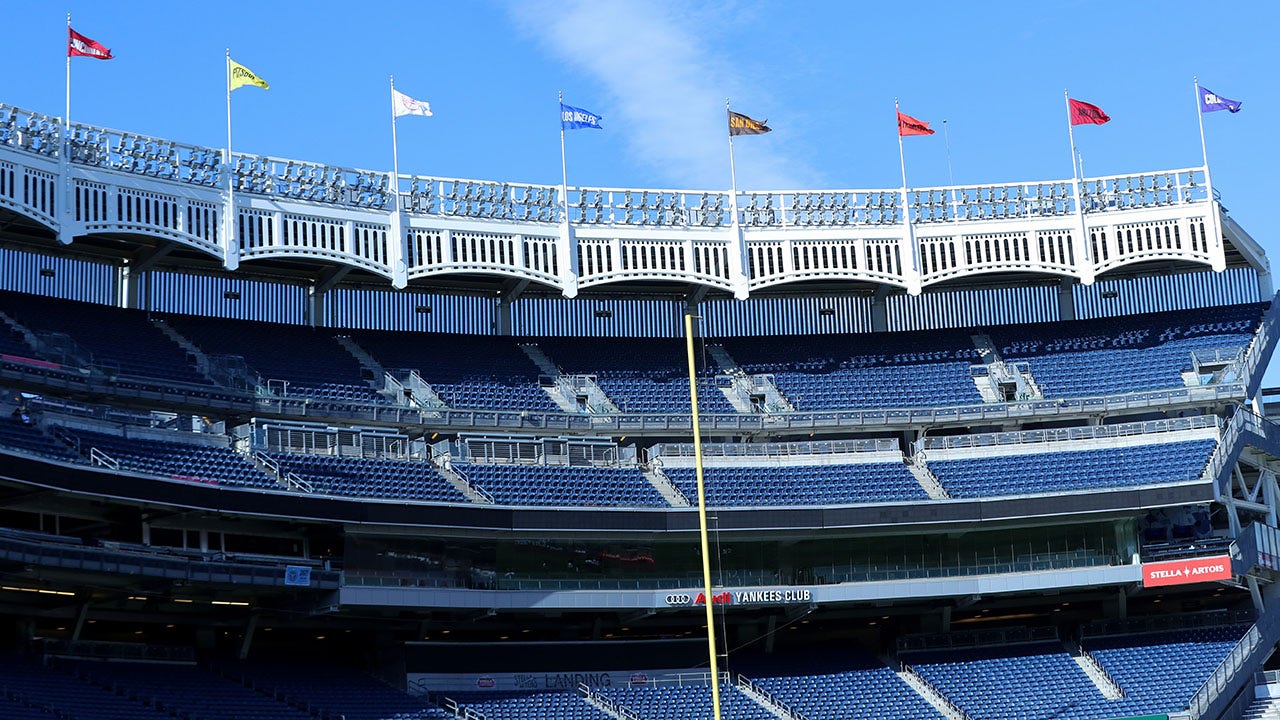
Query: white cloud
x=666, y=88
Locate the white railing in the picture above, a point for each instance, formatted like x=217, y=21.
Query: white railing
x=779, y=707
x=608, y=705
x=780, y=450
x=100, y=458
x=1241, y=655
x=1073, y=433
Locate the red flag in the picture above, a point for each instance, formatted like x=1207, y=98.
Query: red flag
x=908, y=125
x=1082, y=113
x=79, y=45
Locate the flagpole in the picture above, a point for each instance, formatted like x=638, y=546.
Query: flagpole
x=564, y=167
x=702, y=516
x=1204, y=150
x=395, y=149
x=1076, y=184
x=951, y=179
x=906, y=209
x=64, y=152
x=733, y=177
x=230, y=165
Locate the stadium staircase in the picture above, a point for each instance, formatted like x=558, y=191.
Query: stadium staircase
x=391, y=389
x=1263, y=709
x=663, y=484
x=20, y=329
x=922, y=687
x=1094, y=671
x=998, y=381
x=748, y=393
x=573, y=393
x=460, y=481
x=766, y=700
x=927, y=479
x=202, y=363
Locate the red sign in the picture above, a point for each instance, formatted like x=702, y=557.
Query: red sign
x=1183, y=572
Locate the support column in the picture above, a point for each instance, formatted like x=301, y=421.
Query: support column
x=1066, y=299
x=510, y=293
x=247, y=640
x=880, y=310
x=325, y=282
x=567, y=259
x=81, y=616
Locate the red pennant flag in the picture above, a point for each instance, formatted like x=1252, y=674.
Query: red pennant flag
x=908, y=125
x=81, y=46
x=1082, y=113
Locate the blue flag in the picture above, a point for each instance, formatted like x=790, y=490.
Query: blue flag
x=572, y=118
x=1213, y=102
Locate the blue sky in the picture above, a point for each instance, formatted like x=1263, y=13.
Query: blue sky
x=824, y=74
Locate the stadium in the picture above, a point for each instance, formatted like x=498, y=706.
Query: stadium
x=291, y=440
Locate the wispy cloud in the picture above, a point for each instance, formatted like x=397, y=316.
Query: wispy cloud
x=666, y=87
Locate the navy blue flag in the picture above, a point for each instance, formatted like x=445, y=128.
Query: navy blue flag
x=1213, y=102
x=572, y=118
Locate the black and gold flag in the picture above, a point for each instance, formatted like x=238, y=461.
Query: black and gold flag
x=740, y=124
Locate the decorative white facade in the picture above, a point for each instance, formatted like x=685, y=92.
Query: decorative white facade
x=415, y=227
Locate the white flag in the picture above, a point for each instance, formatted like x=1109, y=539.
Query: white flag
x=402, y=104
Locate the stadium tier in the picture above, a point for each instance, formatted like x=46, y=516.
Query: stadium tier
x=465, y=371
x=1073, y=469
x=345, y=445
x=937, y=369
x=802, y=485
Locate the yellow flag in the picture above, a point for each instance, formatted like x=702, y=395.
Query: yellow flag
x=241, y=75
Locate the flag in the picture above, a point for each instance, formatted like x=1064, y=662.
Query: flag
x=402, y=104
x=241, y=75
x=572, y=118
x=1082, y=113
x=908, y=125
x=1213, y=102
x=79, y=45
x=740, y=124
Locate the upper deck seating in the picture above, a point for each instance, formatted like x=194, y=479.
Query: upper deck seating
x=1131, y=353
x=370, y=478
x=119, y=340
x=178, y=460
x=800, y=484
x=466, y=371
x=563, y=485
x=640, y=375
x=1044, y=472
x=308, y=359
x=826, y=372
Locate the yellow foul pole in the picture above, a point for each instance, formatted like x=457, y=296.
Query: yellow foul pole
x=702, y=519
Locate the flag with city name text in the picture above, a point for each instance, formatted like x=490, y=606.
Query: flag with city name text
x=80, y=46
x=1213, y=102
x=241, y=76
x=1083, y=113
x=740, y=124
x=402, y=104
x=908, y=126
x=572, y=118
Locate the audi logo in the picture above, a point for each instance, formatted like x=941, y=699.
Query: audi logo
x=678, y=599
